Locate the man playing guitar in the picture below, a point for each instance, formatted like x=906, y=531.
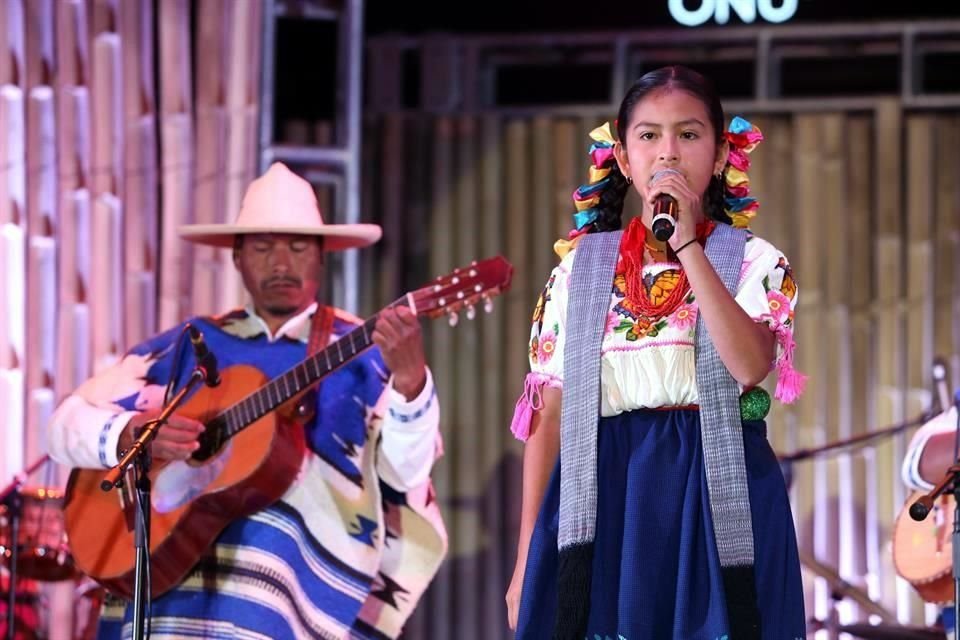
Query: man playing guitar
x=354, y=539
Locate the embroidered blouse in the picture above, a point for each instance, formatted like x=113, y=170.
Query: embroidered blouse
x=648, y=364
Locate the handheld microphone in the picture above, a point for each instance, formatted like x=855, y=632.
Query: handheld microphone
x=204, y=357
x=665, y=210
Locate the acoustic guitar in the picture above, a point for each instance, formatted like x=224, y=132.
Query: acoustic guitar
x=250, y=453
x=922, y=550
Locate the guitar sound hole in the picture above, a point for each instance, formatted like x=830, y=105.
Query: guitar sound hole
x=211, y=440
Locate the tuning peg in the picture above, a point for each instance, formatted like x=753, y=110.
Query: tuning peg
x=487, y=304
x=453, y=319
x=471, y=312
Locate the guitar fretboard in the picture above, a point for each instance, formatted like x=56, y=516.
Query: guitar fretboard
x=234, y=419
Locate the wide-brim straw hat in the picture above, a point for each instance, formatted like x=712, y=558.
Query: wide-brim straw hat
x=280, y=201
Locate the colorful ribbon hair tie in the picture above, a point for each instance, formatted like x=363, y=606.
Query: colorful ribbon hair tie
x=743, y=137
x=586, y=197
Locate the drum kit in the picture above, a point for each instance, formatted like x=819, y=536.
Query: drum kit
x=33, y=549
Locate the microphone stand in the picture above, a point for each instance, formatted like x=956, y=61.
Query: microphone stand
x=786, y=467
x=138, y=455
x=803, y=454
x=12, y=499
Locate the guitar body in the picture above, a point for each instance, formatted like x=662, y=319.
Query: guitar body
x=191, y=501
x=922, y=550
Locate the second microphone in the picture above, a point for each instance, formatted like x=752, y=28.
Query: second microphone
x=205, y=358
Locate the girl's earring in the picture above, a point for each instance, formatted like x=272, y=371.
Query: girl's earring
x=629, y=180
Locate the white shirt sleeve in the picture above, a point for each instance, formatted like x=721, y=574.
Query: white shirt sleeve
x=946, y=422
x=83, y=435
x=410, y=437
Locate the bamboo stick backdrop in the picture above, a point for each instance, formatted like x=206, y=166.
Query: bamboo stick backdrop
x=105, y=152
x=864, y=203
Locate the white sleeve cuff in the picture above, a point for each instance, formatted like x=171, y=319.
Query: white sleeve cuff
x=407, y=411
x=910, y=470
x=110, y=436
x=85, y=436
x=410, y=437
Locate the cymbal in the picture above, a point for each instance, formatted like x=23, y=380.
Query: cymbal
x=892, y=632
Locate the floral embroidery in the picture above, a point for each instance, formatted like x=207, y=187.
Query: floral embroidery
x=536, y=350
x=640, y=328
x=684, y=317
x=767, y=291
x=543, y=300
x=627, y=318
x=613, y=321
x=790, y=383
x=548, y=342
x=781, y=315
x=781, y=279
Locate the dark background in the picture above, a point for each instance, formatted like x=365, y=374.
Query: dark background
x=518, y=16
x=306, y=49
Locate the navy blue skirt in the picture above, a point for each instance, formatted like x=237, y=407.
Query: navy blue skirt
x=656, y=572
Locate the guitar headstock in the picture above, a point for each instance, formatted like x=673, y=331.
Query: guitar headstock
x=464, y=289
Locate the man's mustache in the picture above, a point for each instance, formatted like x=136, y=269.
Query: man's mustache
x=291, y=280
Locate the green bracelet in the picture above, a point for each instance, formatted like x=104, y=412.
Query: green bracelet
x=683, y=246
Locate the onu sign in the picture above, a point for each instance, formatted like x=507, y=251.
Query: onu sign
x=719, y=10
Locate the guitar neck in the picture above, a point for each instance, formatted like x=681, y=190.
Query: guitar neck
x=459, y=290
x=287, y=385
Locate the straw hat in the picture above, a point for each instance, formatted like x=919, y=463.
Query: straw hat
x=280, y=201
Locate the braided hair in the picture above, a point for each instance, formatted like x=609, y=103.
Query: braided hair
x=608, y=211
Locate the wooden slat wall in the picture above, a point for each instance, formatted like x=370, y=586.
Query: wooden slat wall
x=97, y=170
x=877, y=269
x=889, y=368
x=946, y=236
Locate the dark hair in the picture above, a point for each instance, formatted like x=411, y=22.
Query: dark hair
x=672, y=77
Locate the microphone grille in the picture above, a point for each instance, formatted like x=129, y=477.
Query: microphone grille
x=659, y=173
